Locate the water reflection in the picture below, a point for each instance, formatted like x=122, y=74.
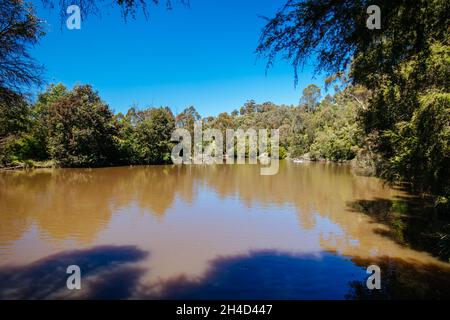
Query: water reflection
x=266, y=274
x=106, y=274
x=193, y=218
x=63, y=202
x=403, y=279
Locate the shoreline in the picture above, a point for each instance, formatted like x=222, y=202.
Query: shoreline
x=50, y=164
x=29, y=165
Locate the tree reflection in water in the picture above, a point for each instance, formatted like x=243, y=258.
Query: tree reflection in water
x=232, y=226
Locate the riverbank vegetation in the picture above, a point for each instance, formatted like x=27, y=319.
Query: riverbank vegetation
x=75, y=128
x=389, y=111
x=405, y=65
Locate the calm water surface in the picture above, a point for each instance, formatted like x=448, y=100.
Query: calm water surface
x=203, y=232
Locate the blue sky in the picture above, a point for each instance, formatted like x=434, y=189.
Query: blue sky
x=202, y=56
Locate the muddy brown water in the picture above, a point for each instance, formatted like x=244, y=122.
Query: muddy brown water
x=217, y=231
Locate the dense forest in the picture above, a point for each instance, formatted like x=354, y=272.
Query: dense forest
x=390, y=107
x=75, y=128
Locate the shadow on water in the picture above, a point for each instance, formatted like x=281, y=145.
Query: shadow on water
x=280, y=275
x=105, y=271
x=108, y=273
x=275, y=275
x=265, y=275
x=403, y=280
x=412, y=221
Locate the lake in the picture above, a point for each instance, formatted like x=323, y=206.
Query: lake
x=206, y=232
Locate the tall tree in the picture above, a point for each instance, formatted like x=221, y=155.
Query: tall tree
x=153, y=133
x=81, y=129
x=187, y=118
x=19, y=30
x=311, y=97
x=14, y=121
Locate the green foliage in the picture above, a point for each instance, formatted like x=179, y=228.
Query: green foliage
x=331, y=131
x=248, y=108
x=411, y=111
x=423, y=145
x=144, y=136
x=187, y=118
x=14, y=121
x=74, y=128
x=325, y=130
x=40, y=120
x=20, y=29
x=405, y=65
x=311, y=97
x=282, y=152
x=80, y=129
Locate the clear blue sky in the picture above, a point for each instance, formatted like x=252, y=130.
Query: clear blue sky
x=202, y=56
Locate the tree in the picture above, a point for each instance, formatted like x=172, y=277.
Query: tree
x=39, y=120
x=153, y=134
x=24, y=128
x=14, y=122
x=248, y=107
x=128, y=7
x=75, y=128
x=13, y=116
x=222, y=122
x=144, y=136
x=81, y=129
x=187, y=118
x=127, y=143
x=311, y=97
x=19, y=30
x=401, y=64
x=266, y=107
